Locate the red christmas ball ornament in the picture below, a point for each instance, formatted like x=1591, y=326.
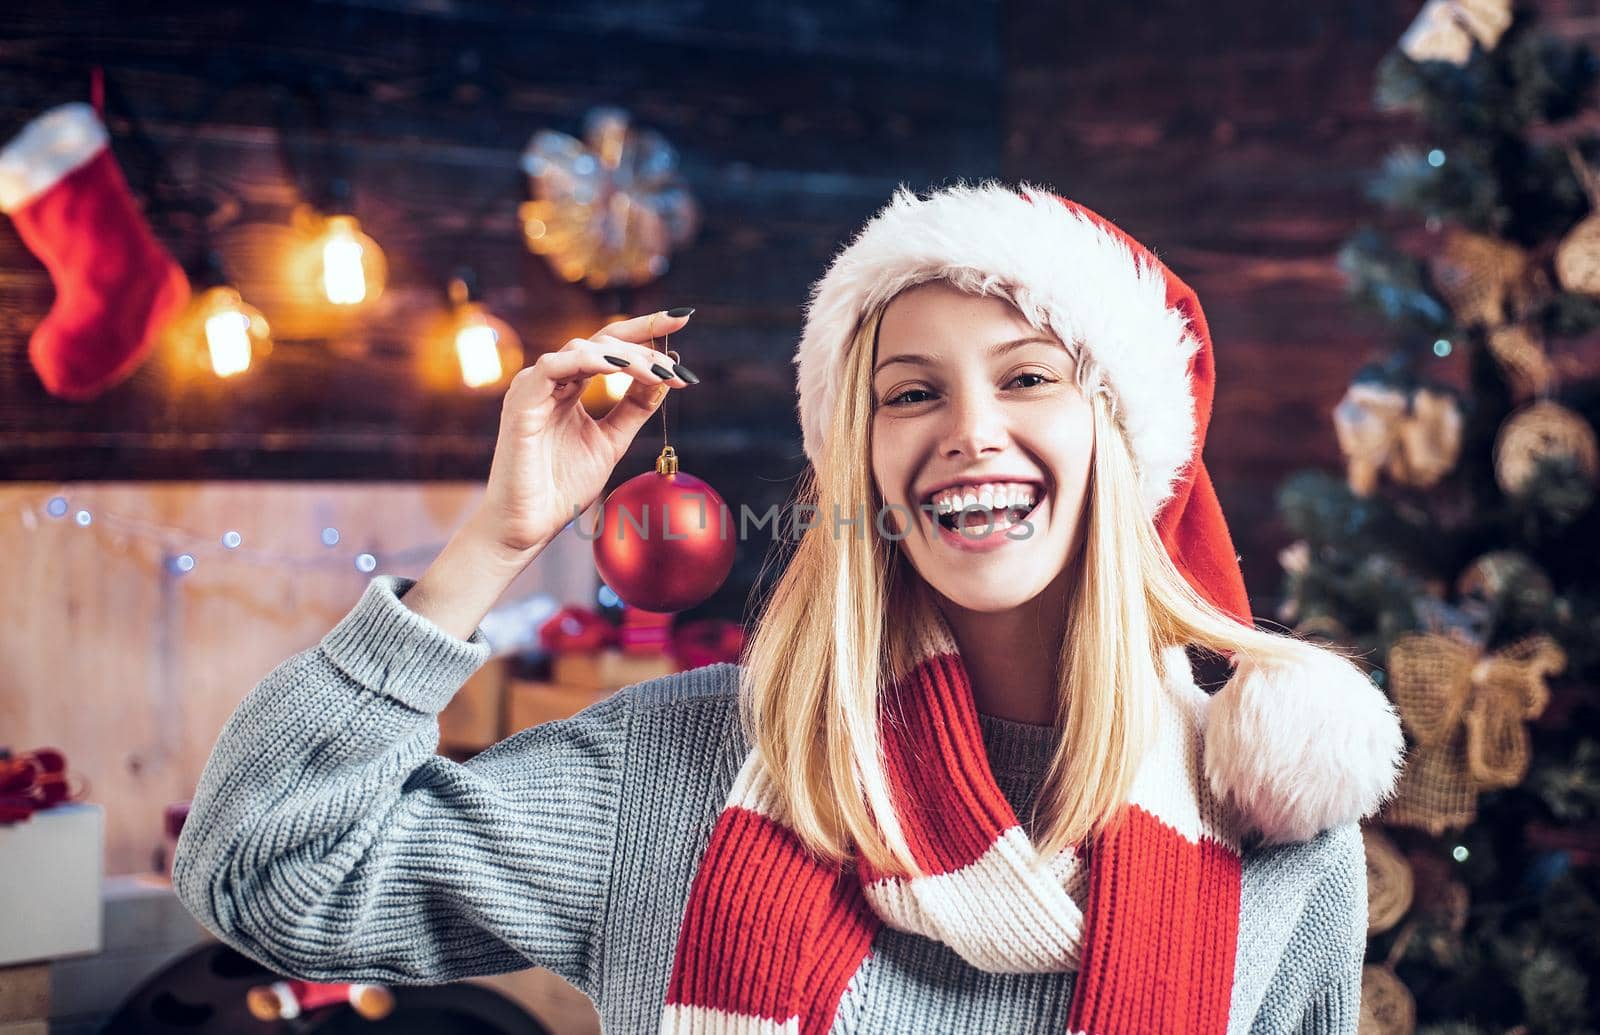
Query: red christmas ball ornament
x=665, y=539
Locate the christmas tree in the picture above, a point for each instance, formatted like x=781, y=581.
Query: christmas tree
x=1460, y=549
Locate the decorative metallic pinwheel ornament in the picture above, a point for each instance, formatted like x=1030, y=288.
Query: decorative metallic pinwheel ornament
x=607, y=210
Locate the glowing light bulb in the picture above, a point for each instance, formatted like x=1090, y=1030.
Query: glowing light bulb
x=602, y=391
x=478, y=353
x=225, y=334
x=228, y=341
x=482, y=347
x=353, y=267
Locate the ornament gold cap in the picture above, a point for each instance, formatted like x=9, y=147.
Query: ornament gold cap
x=667, y=462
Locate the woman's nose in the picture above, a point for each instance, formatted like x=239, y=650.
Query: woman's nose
x=976, y=427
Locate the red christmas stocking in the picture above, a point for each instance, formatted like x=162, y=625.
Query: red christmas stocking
x=115, y=284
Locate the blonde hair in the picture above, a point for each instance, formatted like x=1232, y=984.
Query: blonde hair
x=844, y=620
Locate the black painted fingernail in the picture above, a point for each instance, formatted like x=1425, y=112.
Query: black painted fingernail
x=685, y=373
x=617, y=360
x=660, y=371
x=682, y=310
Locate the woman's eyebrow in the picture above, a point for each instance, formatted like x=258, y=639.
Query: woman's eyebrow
x=994, y=350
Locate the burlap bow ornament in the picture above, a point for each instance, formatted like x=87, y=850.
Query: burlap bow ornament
x=1465, y=712
x=1416, y=438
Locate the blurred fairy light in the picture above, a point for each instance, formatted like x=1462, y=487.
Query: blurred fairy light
x=181, y=548
x=510, y=627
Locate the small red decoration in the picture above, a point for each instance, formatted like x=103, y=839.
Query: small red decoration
x=288, y=999
x=576, y=630
x=31, y=782
x=705, y=642
x=665, y=540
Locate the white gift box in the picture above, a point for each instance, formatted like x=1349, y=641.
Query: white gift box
x=50, y=869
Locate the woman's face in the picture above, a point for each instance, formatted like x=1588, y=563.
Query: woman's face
x=969, y=399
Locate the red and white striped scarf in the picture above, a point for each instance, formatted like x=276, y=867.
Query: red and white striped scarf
x=1148, y=917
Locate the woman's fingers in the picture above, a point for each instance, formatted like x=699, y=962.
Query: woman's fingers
x=582, y=358
x=657, y=362
x=629, y=413
x=638, y=329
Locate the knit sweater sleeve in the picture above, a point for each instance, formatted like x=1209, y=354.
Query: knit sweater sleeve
x=328, y=841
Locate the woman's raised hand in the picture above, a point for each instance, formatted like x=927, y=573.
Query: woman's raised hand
x=551, y=458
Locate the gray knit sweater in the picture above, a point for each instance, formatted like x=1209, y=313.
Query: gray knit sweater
x=328, y=841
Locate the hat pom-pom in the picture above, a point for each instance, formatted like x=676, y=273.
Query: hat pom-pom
x=1302, y=747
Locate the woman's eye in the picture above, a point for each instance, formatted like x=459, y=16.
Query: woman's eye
x=905, y=398
x=901, y=400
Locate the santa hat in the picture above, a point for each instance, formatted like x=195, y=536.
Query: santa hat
x=1297, y=749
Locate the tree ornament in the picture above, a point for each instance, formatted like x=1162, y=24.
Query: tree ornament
x=1465, y=713
x=1522, y=359
x=1500, y=574
x=607, y=210
x=1390, y=887
x=666, y=538
x=1387, y=1006
x=1476, y=274
x=665, y=541
x=1444, y=30
x=116, y=286
x=1578, y=256
x=1367, y=423
x=1543, y=430
x=1415, y=436
x=1429, y=439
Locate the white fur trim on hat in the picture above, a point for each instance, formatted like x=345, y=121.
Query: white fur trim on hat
x=48, y=148
x=1066, y=274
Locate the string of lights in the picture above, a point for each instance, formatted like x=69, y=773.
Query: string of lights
x=511, y=627
x=183, y=549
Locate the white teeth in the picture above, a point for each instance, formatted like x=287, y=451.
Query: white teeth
x=999, y=496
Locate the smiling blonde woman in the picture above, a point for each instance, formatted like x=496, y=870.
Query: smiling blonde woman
x=963, y=779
